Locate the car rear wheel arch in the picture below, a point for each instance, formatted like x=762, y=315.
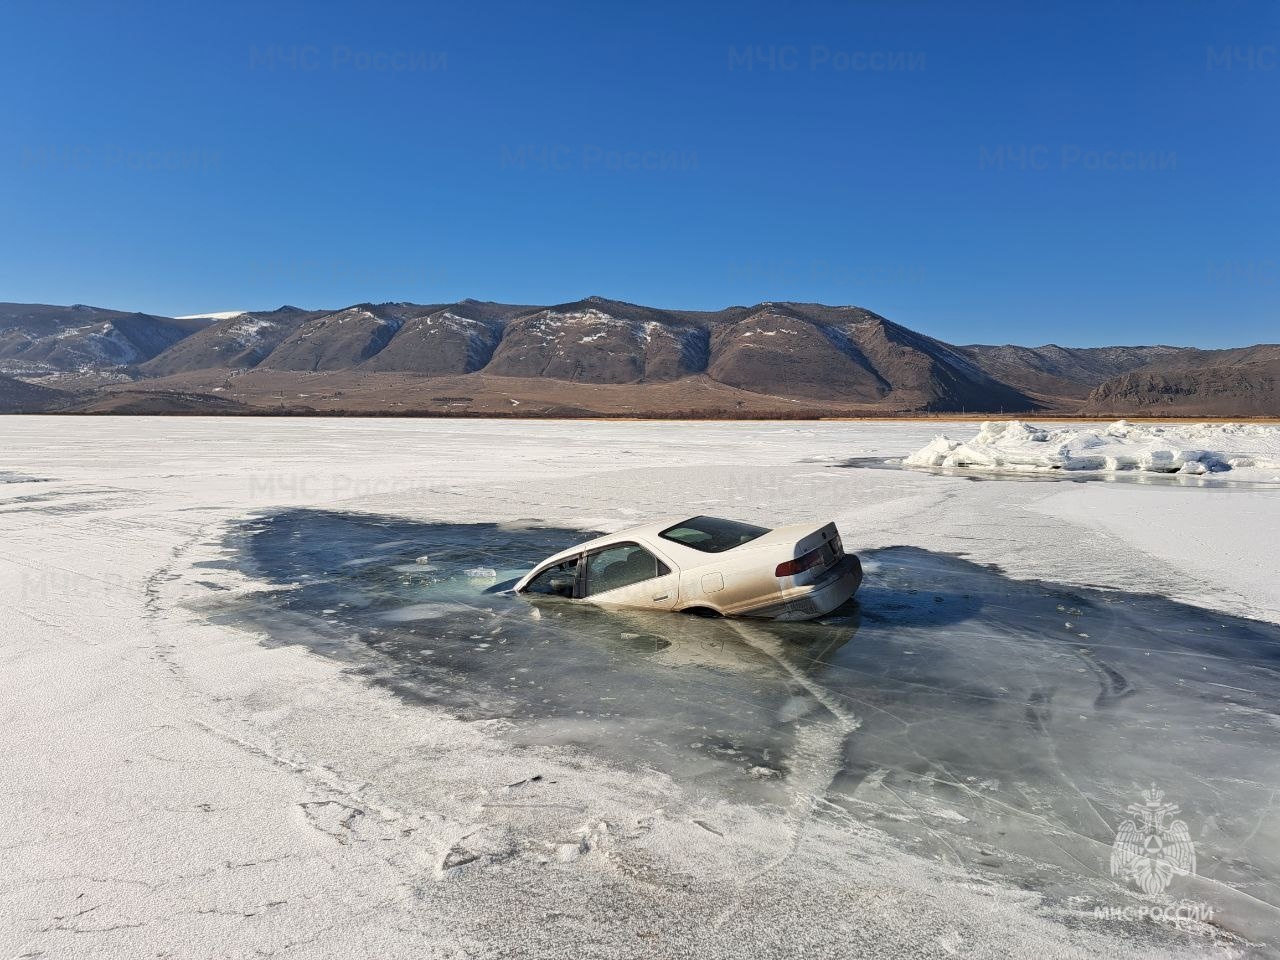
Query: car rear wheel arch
x=702, y=610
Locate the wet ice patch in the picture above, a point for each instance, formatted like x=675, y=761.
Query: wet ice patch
x=10, y=476
x=1005, y=725
x=426, y=611
x=631, y=686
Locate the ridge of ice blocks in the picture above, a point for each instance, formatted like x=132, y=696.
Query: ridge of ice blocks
x=1241, y=450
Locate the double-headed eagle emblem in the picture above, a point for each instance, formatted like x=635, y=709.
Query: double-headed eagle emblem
x=1150, y=851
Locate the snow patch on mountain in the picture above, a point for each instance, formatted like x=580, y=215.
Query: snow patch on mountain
x=480, y=336
x=359, y=314
x=598, y=324
x=247, y=333
x=223, y=315
x=448, y=318
x=99, y=343
x=549, y=322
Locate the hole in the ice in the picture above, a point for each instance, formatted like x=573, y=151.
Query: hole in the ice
x=954, y=707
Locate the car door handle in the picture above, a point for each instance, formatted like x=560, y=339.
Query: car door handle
x=663, y=597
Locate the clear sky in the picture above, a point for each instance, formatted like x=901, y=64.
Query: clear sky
x=1082, y=173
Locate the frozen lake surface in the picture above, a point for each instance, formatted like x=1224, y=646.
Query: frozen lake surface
x=263, y=694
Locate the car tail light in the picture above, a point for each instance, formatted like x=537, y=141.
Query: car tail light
x=800, y=564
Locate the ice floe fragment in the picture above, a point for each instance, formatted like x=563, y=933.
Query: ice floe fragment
x=1184, y=449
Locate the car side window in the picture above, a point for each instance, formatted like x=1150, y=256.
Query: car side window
x=620, y=566
x=556, y=581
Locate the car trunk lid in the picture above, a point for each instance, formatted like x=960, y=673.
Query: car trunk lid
x=812, y=550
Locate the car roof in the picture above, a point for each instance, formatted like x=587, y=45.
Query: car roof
x=645, y=531
x=686, y=556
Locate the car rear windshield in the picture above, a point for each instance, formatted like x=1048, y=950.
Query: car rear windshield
x=713, y=535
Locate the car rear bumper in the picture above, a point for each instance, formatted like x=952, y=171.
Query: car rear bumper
x=817, y=599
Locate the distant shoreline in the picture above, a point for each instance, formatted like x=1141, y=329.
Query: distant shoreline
x=1056, y=417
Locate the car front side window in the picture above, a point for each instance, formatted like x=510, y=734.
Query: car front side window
x=620, y=566
x=555, y=581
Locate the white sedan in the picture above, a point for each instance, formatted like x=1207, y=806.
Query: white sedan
x=706, y=565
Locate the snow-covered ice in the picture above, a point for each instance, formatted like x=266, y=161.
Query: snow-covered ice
x=1235, y=451
x=223, y=740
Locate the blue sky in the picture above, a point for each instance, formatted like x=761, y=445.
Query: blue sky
x=1083, y=173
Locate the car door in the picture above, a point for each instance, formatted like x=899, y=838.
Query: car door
x=629, y=574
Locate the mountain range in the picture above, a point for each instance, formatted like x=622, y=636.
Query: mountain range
x=591, y=357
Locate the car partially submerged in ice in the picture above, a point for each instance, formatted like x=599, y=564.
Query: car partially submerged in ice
x=706, y=565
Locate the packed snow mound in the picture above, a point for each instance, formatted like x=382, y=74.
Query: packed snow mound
x=1244, y=451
